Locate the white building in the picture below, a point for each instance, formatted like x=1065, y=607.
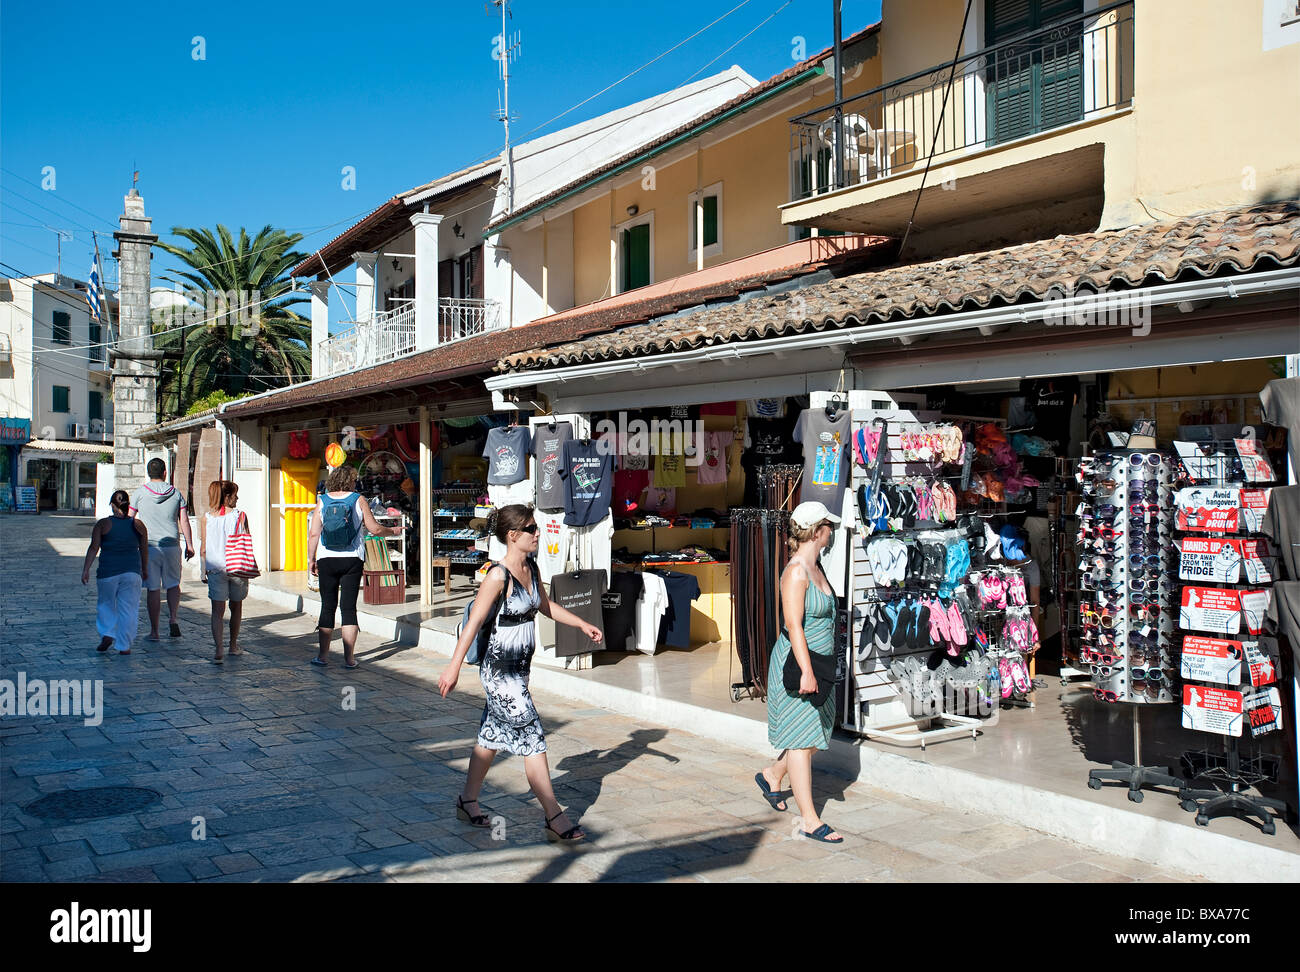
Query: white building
x=54, y=371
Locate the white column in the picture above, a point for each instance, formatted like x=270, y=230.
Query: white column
x=426, y=509
x=365, y=284
x=426, y=279
x=320, y=325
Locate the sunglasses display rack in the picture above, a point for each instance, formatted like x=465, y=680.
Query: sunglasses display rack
x=1126, y=638
x=1226, y=566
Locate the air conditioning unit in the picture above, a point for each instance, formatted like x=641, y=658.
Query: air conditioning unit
x=78, y=431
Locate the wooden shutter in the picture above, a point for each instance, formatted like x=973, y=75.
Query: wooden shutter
x=1060, y=85
x=96, y=403
x=60, y=403
x=710, y=220
x=476, y=273
x=446, y=278
x=1039, y=84
x=636, y=257
x=62, y=327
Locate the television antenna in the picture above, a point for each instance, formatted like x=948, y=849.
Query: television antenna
x=506, y=47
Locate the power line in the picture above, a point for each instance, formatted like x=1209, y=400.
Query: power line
x=61, y=199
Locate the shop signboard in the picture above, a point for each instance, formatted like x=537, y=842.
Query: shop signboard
x=1210, y=609
x=15, y=431
x=1212, y=660
x=1264, y=709
x=1212, y=710
x=27, y=500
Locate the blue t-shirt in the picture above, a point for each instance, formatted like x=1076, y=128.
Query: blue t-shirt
x=119, y=548
x=588, y=474
x=675, y=628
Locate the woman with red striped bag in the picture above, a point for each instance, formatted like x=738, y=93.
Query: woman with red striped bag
x=228, y=563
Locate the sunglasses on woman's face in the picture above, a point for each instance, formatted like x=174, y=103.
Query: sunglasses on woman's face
x=530, y=528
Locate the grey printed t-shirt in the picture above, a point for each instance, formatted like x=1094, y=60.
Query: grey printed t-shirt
x=158, y=506
x=825, y=465
x=506, y=451
x=548, y=446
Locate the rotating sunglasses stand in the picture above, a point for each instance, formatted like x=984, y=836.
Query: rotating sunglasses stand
x=1125, y=590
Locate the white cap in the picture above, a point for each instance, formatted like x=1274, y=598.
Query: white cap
x=810, y=514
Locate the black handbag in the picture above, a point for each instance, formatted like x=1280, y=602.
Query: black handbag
x=826, y=668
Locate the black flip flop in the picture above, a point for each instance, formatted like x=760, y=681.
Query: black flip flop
x=175, y=630
x=773, y=797
x=820, y=835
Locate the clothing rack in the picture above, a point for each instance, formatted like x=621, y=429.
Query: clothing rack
x=758, y=555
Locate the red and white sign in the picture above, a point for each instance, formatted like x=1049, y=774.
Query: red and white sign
x=1212, y=660
x=1212, y=710
x=1257, y=558
x=1210, y=609
x=1254, y=605
x=1210, y=559
x=1264, y=709
x=1254, y=504
x=1262, y=658
x=1208, y=509
x=1253, y=462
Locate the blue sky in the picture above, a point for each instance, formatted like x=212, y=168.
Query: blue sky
x=259, y=131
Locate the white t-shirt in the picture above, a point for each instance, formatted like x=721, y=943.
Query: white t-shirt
x=358, y=548
x=216, y=528
x=592, y=545
x=649, y=612
x=521, y=492
x=558, y=545
x=553, y=539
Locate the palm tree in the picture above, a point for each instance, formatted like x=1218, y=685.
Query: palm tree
x=243, y=346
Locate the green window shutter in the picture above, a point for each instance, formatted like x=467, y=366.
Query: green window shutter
x=636, y=257
x=1037, y=85
x=60, y=403
x=710, y=220
x=96, y=405
x=62, y=327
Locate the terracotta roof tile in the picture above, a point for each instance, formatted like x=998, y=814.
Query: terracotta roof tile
x=1232, y=240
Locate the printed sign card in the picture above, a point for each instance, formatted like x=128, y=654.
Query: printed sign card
x=1211, y=559
x=1254, y=605
x=1210, y=609
x=1211, y=660
x=1254, y=462
x=1262, y=657
x=1212, y=710
x=1254, y=504
x=1208, y=509
x=1264, y=708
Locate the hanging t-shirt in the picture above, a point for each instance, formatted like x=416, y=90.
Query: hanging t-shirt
x=659, y=500
x=553, y=539
x=770, y=441
x=591, y=546
x=650, y=610
x=766, y=407
x=618, y=608
x=581, y=593
x=675, y=630
x=670, y=470
x=588, y=476
x=825, y=451
x=1051, y=400
x=713, y=465
x=506, y=451
x=629, y=484
x=516, y=493
x=547, y=443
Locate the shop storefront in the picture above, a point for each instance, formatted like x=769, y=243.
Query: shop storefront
x=974, y=452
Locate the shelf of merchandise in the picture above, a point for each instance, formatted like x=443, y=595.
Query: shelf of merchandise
x=396, y=545
x=455, y=503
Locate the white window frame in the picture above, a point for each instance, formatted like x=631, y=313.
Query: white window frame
x=637, y=220
x=713, y=249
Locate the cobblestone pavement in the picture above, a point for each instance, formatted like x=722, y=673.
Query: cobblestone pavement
x=293, y=784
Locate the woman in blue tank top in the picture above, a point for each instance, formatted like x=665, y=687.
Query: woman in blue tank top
x=122, y=544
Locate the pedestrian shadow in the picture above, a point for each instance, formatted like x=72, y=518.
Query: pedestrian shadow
x=584, y=773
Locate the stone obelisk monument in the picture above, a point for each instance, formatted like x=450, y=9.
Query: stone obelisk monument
x=135, y=375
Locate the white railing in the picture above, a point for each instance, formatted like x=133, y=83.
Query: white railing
x=365, y=343
x=392, y=335
x=462, y=317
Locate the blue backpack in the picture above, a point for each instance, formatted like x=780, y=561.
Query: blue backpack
x=339, y=531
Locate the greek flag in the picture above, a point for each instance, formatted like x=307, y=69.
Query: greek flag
x=95, y=292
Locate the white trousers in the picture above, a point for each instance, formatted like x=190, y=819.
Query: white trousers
x=117, y=615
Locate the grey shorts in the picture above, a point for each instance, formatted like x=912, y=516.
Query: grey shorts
x=164, y=567
x=223, y=587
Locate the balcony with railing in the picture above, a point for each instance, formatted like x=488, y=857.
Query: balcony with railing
x=392, y=334
x=981, y=115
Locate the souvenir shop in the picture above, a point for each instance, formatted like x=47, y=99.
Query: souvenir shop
x=998, y=537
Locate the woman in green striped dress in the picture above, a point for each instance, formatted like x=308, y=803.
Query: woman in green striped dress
x=794, y=725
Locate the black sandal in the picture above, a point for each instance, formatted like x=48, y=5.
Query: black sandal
x=570, y=836
x=474, y=820
x=773, y=797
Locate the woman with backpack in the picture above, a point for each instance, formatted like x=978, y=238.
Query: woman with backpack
x=507, y=601
x=336, y=551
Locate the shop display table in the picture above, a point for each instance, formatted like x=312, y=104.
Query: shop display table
x=445, y=563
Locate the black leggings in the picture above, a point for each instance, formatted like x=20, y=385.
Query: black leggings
x=335, y=573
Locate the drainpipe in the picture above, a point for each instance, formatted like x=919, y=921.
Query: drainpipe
x=839, y=96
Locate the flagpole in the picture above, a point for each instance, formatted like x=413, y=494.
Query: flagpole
x=108, y=315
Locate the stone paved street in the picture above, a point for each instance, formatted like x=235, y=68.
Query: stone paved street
x=294, y=785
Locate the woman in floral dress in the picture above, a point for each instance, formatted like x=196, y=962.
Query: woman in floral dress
x=510, y=719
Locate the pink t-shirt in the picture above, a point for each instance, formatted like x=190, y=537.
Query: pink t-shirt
x=713, y=467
